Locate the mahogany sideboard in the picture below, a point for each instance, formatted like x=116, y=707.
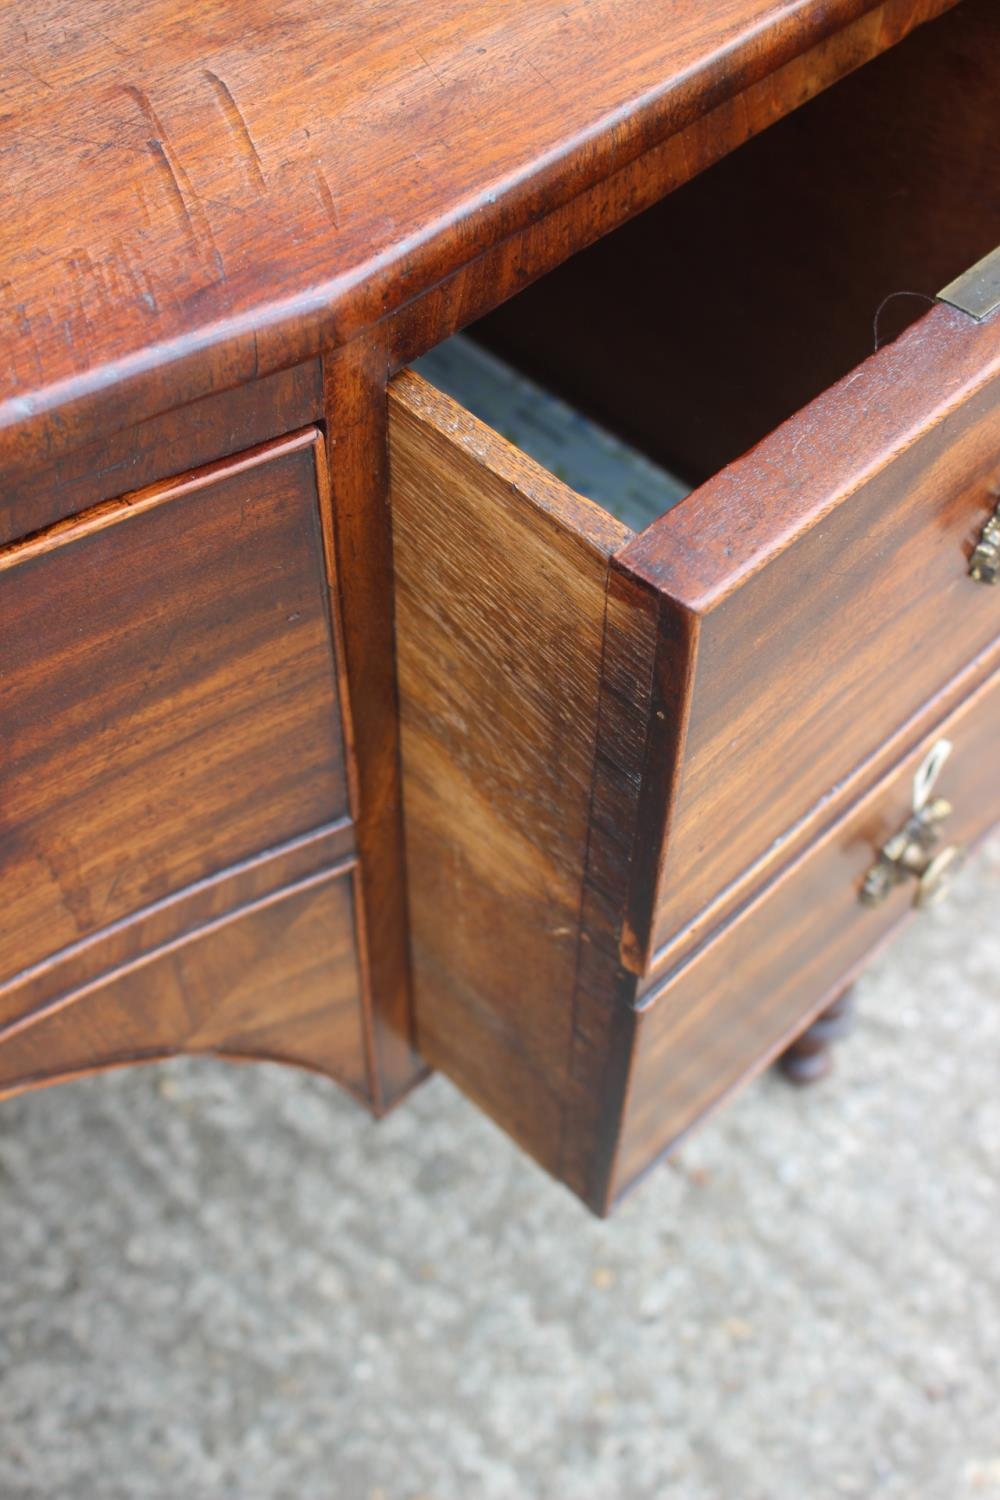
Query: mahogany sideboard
x=341, y=730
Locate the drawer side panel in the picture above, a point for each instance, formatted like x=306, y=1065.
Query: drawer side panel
x=500, y=600
x=278, y=980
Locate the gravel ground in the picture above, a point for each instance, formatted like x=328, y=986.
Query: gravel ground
x=225, y=1282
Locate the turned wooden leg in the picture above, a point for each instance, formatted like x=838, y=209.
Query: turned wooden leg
x=810, y=1057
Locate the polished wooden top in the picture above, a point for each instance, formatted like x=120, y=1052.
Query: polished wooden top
x=197, y=192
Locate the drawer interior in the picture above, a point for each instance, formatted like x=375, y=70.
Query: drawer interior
x=587, y=456
x=694, y=330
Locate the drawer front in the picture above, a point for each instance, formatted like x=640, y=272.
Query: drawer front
x=169, y=700
x=752, y=989
x=279, y=979
x=806, y=603
x=145, y=453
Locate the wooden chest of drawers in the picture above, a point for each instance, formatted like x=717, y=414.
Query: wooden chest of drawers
x=340, y=730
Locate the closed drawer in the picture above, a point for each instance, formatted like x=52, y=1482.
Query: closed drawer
x=617, y=732
x=280, y=979
x=169, y=700
x=726, y=1013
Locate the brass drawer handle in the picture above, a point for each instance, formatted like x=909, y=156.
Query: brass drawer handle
x=912, y=853
x=984, y=565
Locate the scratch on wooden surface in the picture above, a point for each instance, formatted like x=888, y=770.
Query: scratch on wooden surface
x=120, y=265
x=325, y=195
x=17, y=313
x=539, y=74
x=141, y=98
x=238, y=125
x=749, y=129
x=132, y=277
x=690, y=165
x=159, y=155
x=109, y=41
x=173, y=176
x=177, y=183
x=32, y=72
x=81, y=275
x=431, y=68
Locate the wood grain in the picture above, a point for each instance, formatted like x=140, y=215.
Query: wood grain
x=195, y=200
x=500, y=581
x=278, y=980
x=770, y=972
x=169, y=696
x=173, y=918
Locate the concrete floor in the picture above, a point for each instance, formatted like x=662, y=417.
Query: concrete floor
x=222, y=1282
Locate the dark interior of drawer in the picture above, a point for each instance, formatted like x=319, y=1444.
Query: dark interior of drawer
x=696, y=328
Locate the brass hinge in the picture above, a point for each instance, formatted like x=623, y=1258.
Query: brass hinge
x=976, y=291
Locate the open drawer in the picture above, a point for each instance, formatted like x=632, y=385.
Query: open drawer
x=614, y=740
